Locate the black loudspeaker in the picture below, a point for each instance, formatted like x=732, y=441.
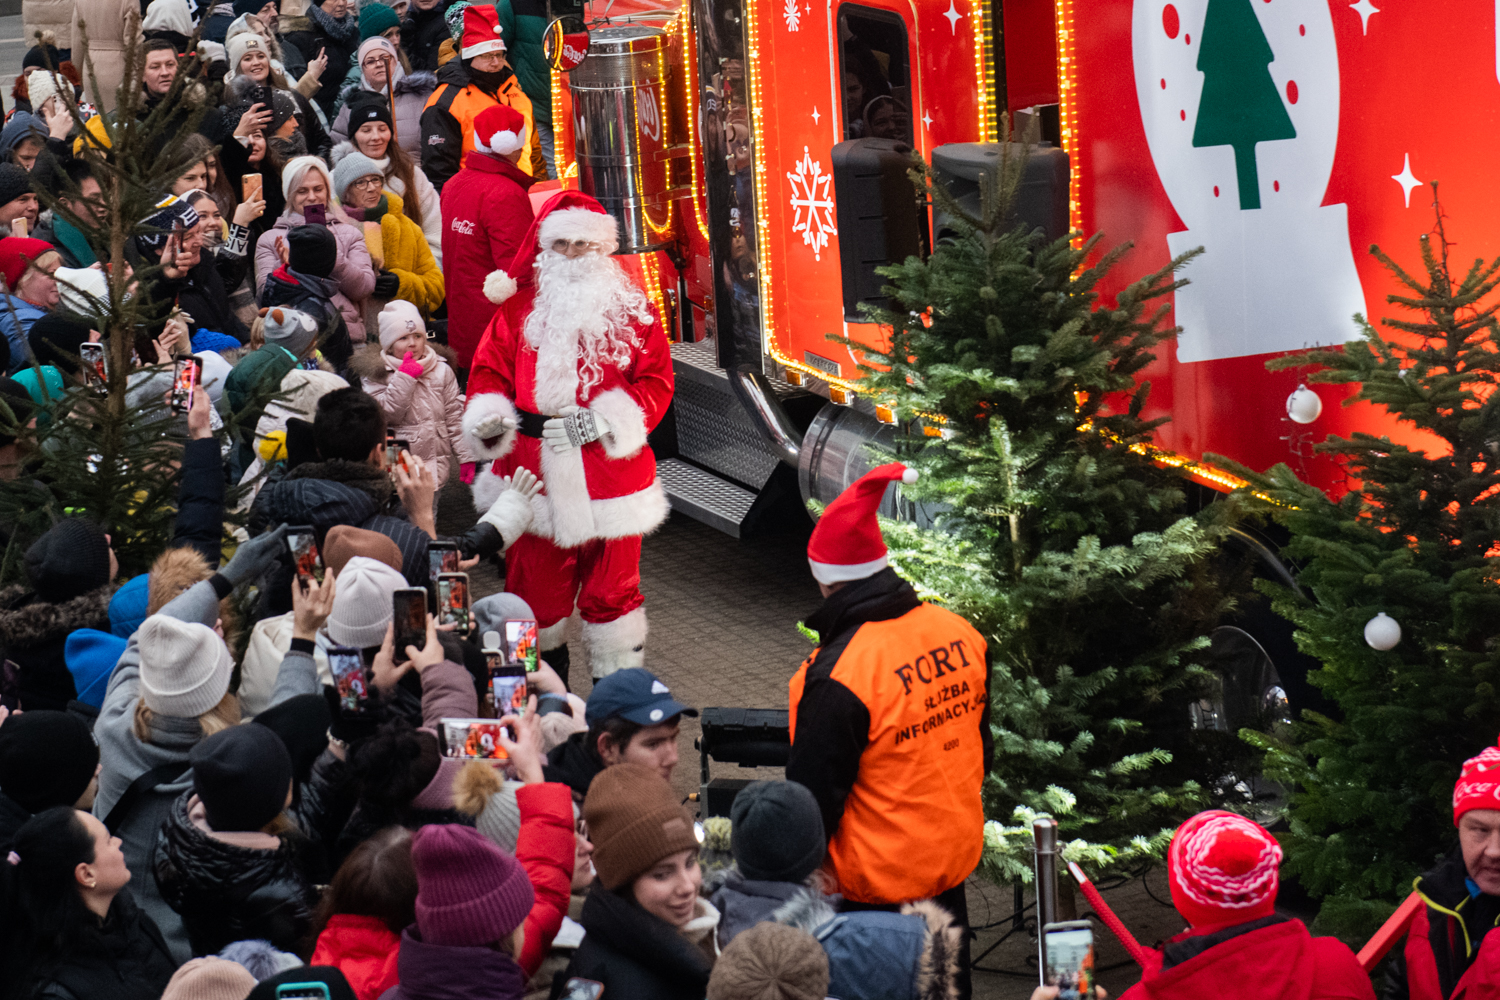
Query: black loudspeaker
x=1041, y=198
x=879, y=216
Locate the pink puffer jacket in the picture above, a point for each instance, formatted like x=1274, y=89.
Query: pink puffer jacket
x=354, y=271
x=427, y=412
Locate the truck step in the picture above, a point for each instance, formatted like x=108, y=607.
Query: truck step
x=703, y=496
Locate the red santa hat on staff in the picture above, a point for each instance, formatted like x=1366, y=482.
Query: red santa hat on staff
x=482, y=32
x=846, y=543
x=567, y=215
x=500, y=130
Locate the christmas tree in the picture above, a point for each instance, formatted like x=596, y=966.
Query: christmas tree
x=1417, y=541
x=1240, y=105
x=108, y=452
x=1061, y=539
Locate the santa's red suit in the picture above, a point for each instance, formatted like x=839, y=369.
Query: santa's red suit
x=584, y=543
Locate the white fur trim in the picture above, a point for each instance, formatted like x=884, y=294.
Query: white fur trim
x=638, y=513
x=831, y=573
x=554, y=635
x=480, y=48
x=579, y=224
x=489, y=404
x=487, y=488
x=499, y=286
x=616, y=645
x=510, y=515
x=567, y=495
x=910, y=476
x=627, y=423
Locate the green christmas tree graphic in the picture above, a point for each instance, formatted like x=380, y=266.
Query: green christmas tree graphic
x=1240, y=104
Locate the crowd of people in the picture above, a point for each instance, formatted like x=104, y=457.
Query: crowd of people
x=195, y=805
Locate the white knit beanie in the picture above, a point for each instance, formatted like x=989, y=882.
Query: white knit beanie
x=291, y=174
x=362, y=606
x=41, y=86
x=397, y=319
x=185, y=667
x=237, y=46
x=83, y=290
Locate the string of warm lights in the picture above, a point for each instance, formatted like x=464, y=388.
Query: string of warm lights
x=758, y=157
x=565, y=169
x=1067, y=112
x=984, y=68
x=689, y=78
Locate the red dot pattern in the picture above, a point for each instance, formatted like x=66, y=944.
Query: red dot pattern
x=1170, y=22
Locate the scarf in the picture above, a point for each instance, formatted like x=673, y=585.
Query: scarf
x=68, y=235
x=344, y=31
x=369, y=214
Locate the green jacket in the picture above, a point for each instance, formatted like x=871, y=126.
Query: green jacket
x=523, y=33
x=252, y=383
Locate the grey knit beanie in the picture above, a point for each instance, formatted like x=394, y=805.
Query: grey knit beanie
x=351, y=168
x=185, y=667
x=777, y=832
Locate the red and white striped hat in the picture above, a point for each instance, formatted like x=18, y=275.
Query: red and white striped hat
x=846, y=543
x=1222, y=869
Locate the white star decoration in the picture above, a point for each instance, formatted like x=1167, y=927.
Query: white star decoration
x=953, y=16
x=927, y=119
x=1406, y=179
x=815, y=115
x=1365, y=8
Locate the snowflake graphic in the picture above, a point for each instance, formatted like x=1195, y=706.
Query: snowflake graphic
x=810, y=192
x=792, y=14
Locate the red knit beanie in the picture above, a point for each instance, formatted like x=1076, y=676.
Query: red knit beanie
x=469, y=892
x=1222, y=870
x=1478, y=784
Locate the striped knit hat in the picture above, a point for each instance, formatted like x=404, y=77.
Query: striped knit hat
x=1222, y=870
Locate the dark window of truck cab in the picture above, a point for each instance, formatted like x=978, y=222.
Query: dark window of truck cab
x=875, y=67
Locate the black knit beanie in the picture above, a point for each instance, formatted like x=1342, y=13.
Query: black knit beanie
x=365, y=110
x=241, y=775
x=776, y=832
x=70, y=560
x=14, y=182
x=46, y=759
x=55, y=339
x=312, y=250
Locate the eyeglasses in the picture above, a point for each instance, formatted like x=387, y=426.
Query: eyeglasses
x=577, y=246
x=374, y=181
x=374, y=61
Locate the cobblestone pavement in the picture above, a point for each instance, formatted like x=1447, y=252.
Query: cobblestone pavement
x=722, y=617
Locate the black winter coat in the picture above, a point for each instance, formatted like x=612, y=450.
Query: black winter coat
x=122, y=958
x=574, y=764
x=635, y=955
x=422, y=35
x=316, y=32
x=200, y=500
x=313, y=295
x=201, y=294
x=34, y=635
x=227, y=893
x=323, y=805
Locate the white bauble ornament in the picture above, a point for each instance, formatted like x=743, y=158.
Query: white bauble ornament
x=1382, y=632
x=1304, y=406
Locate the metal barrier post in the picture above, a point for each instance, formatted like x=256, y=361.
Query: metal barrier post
x=1044, y=835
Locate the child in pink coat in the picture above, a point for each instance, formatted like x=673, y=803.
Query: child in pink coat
x=413, y=380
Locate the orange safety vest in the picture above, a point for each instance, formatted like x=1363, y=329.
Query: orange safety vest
x=913, y=824
x=465, y=104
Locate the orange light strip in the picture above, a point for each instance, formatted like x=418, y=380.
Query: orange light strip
x=689, y=79
x=1067, y=112
x=984, y=68
x=758, y=155
x=565, y=169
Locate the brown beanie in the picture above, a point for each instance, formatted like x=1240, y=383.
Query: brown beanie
x=770, y=962
x=634, y=821
x=210, y=979
x=343, y=543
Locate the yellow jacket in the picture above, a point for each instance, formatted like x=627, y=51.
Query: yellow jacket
x=405, y=253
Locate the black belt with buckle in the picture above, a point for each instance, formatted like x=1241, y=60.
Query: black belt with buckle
x=531, y=423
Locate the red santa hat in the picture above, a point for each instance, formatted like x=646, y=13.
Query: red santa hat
x=1478, y=785
x=482, y=32
x=1222, y=870
x=846, y=543
x=567, y=215
x=499, y=130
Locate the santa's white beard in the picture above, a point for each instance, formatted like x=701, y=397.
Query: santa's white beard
x=590, y=303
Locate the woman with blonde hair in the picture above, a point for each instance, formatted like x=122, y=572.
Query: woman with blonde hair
x=169, y=691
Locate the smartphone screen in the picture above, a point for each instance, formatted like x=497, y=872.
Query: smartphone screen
x=402, y=446
x=303, y=991
x=442, y=557
x=581, y=989
x=304, y=545
x=410, y=607
x=184, y=383
x=348, y=668
x=508, y=689
x=91, y=357
x=476, y=739
x=1070, y=959
x=453, y=600
x=315, y=215
x=521, y=643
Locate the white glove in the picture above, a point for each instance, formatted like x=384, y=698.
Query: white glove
x=574, y=429
x=493, y=427
x=525, y=482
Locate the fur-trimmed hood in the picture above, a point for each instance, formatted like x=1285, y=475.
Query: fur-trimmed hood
x=26, y=621
x=367, y=361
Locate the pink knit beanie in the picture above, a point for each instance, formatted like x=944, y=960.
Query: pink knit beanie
x=469, y=892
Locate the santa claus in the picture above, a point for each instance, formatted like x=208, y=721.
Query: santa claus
x=570, y=377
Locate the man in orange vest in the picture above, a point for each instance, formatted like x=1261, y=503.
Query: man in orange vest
x=479, y=78
x=890, y=721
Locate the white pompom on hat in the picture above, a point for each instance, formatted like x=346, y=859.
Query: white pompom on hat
x=185, y=667
x=500, y=130
x=846, y=543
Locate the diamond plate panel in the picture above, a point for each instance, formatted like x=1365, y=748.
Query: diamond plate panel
x=713, y=429
x=704, y=496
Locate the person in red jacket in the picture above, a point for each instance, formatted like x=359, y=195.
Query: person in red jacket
x=1450, y=953
x=486, y=215
x=1222, y=870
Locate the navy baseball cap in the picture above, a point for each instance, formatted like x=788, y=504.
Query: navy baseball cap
x=634, y=695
